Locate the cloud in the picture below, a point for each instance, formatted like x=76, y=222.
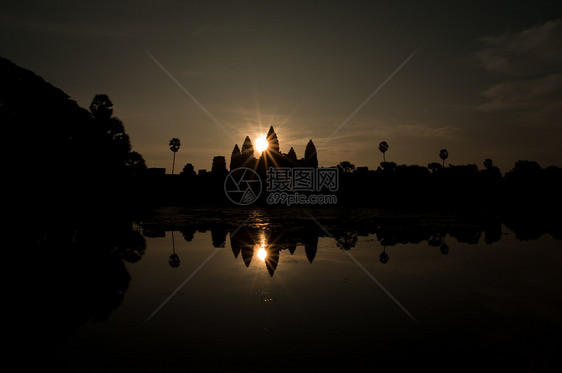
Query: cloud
x=530, y=52
x=535, y=93
x=424, y=132
x=531, y=60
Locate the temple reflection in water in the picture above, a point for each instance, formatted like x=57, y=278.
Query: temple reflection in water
x=268, y=245
x=249, y=243
x=268, y=240
x=123, y=270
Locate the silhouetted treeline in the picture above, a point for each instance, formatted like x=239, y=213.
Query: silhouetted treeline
x=64, y=156
x=389, y=230
x=284, y=229
x=70, y=158
x=526, y=187
x=69, y=273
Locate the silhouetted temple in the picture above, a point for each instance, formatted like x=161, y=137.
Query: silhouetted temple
x=272, y=156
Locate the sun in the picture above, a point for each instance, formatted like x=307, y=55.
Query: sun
x=261, y=144
x=262, y=253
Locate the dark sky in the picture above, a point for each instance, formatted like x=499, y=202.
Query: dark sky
x=485, y=80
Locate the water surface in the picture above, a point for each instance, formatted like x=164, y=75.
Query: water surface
x=260, y=290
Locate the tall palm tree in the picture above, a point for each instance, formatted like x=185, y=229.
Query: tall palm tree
x=383, y=147
x=384, y=256
x=174, y=260
x=443, y=154
x=174, y=147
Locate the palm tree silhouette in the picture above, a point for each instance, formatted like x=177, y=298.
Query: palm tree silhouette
x=174, y=147
x=443, y=154
x=383, y=147
x=174, y=260
x=384, y=256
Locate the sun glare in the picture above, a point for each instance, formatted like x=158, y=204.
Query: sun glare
x=262, y=253
x=261, y=144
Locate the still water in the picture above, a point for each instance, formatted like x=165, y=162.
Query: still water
x=257, y=290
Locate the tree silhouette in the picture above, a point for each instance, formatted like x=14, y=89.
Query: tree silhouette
x=383, y=147
x=526, y=168
x=174, y=147
x=490, y=171
x=112, y=137
x=346, y=166
x=101, y=107
x=443, y=154
x=384, y=257
x=114, y=127
x=388, y=166
x=188, y=170
x=347, y=240
x=174, y=260
x=434, y=167
x=135, y=163
x=121, y=143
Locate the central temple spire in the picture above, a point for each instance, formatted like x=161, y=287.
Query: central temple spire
x=245, y=155
x=272, y=140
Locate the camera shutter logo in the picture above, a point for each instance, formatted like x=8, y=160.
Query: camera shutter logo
x=243, y=186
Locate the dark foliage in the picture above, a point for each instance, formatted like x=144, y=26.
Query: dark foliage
x=72, y=157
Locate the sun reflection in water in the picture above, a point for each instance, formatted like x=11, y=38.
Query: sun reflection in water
x=262, y=253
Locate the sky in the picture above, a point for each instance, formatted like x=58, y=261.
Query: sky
x=480, y=79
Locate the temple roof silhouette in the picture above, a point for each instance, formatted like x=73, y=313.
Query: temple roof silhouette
x=245, y=156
